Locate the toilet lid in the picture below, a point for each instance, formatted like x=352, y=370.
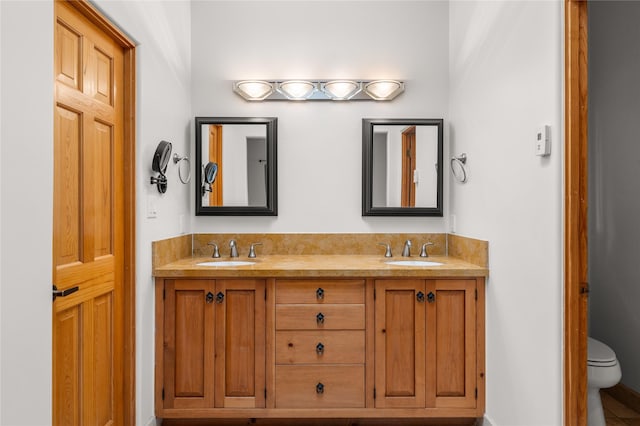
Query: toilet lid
x=599, y=354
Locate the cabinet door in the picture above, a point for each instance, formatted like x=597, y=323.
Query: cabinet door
x=451, y=354
x=240, y=344
x=399, y=343
x=188, y=344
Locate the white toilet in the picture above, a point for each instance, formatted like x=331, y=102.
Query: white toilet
x=603, y=371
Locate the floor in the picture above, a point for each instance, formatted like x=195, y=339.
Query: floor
x=617, y=413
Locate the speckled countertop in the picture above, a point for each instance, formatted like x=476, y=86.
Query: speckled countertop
x=283, y=266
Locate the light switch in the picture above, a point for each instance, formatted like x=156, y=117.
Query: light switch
x=543, y=140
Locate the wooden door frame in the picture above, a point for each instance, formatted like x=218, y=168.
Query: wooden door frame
x=129, y=161
x=575, y=213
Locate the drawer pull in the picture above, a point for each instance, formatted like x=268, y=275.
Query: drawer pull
x=320, y=293
x=209, y=297
x=319, y=388
x=320, y=318
x=431, y=297
x=320, y=348
x=220, y=297
x=420, y=297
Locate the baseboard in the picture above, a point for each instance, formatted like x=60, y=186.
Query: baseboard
x=626, y=395
x=485, y=421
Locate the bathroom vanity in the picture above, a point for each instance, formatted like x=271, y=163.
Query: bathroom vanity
x=319, y=336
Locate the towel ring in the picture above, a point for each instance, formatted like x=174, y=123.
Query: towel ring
x=178, y=160
x=458, y=168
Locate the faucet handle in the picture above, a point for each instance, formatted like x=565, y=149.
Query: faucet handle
x=252, y=249
x=215, y=253
x=387, y=252
x=423, y=252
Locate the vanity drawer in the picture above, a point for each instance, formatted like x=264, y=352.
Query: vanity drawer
x=320, y=291
x=319, y=386
x=320, y=347
x=325, y=317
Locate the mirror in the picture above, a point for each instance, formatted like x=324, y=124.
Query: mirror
x=402, y=167
x=236, y=173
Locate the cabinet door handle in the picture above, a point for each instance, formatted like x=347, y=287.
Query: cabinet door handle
x=209, y=297
x=220, y=297
x=63, y=293
x=420, y=297
x=431, y=297
x=319, y=388
x=320, y=318
x=320, y=348
x=320, y=293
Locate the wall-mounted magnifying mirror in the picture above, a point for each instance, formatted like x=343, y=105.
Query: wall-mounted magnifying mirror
x=236, y=159
x=159, y=165
x=401, y=167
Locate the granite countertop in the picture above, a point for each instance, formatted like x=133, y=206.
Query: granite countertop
x=284, y=266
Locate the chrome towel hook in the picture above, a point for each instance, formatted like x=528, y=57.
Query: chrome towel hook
x=179, y=161
x=458, y=168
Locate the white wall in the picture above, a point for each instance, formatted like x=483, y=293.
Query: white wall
x=320, y=143
x=614, y=205
x=505, y=80
x=26, y=172
x=163, y=112
x=161, y=31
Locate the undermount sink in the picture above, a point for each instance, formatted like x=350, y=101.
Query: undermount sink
x=227, y=263
x=412, y=263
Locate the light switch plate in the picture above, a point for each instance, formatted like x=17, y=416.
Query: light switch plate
x=543, y=140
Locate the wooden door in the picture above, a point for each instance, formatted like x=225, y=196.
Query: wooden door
x=399, y=343
x=408, y=192
x=451, y=347
x=215, y=156
x=88, y=224
x=188, y=343
x=240, y=344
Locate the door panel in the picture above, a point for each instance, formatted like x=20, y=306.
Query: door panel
x=451, y=324
x=188, y=344
x=400, y=344
x=88, y=223
x=240, y=344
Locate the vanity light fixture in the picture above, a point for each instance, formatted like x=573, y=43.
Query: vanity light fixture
x=296, y=90
x=253, y=90
x=341, y=90
x=318, y=90
x=384, y=90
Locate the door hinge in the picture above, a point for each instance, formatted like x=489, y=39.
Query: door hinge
x=374, y=393
x=476, y=393
x=163, y=394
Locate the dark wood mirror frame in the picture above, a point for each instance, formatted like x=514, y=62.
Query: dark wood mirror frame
x=367, y=168
x=271, y=208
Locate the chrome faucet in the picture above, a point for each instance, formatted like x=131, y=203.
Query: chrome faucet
x=387, y=252
x=234, y=248
x=252, y=250
x=423, y=252
x=406, y=251
x=215, y=253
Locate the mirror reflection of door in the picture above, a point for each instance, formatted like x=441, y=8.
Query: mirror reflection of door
x=408, y=192
x=215, y=156
x=257, y=171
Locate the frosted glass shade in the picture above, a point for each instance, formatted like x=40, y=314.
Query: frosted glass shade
x=341, y=89
x=296, y=89
x=253, y=90
x=383, y=90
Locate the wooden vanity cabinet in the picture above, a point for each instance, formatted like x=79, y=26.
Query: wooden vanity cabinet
x=212, y=351
x=426, y=341
x=320, y=347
